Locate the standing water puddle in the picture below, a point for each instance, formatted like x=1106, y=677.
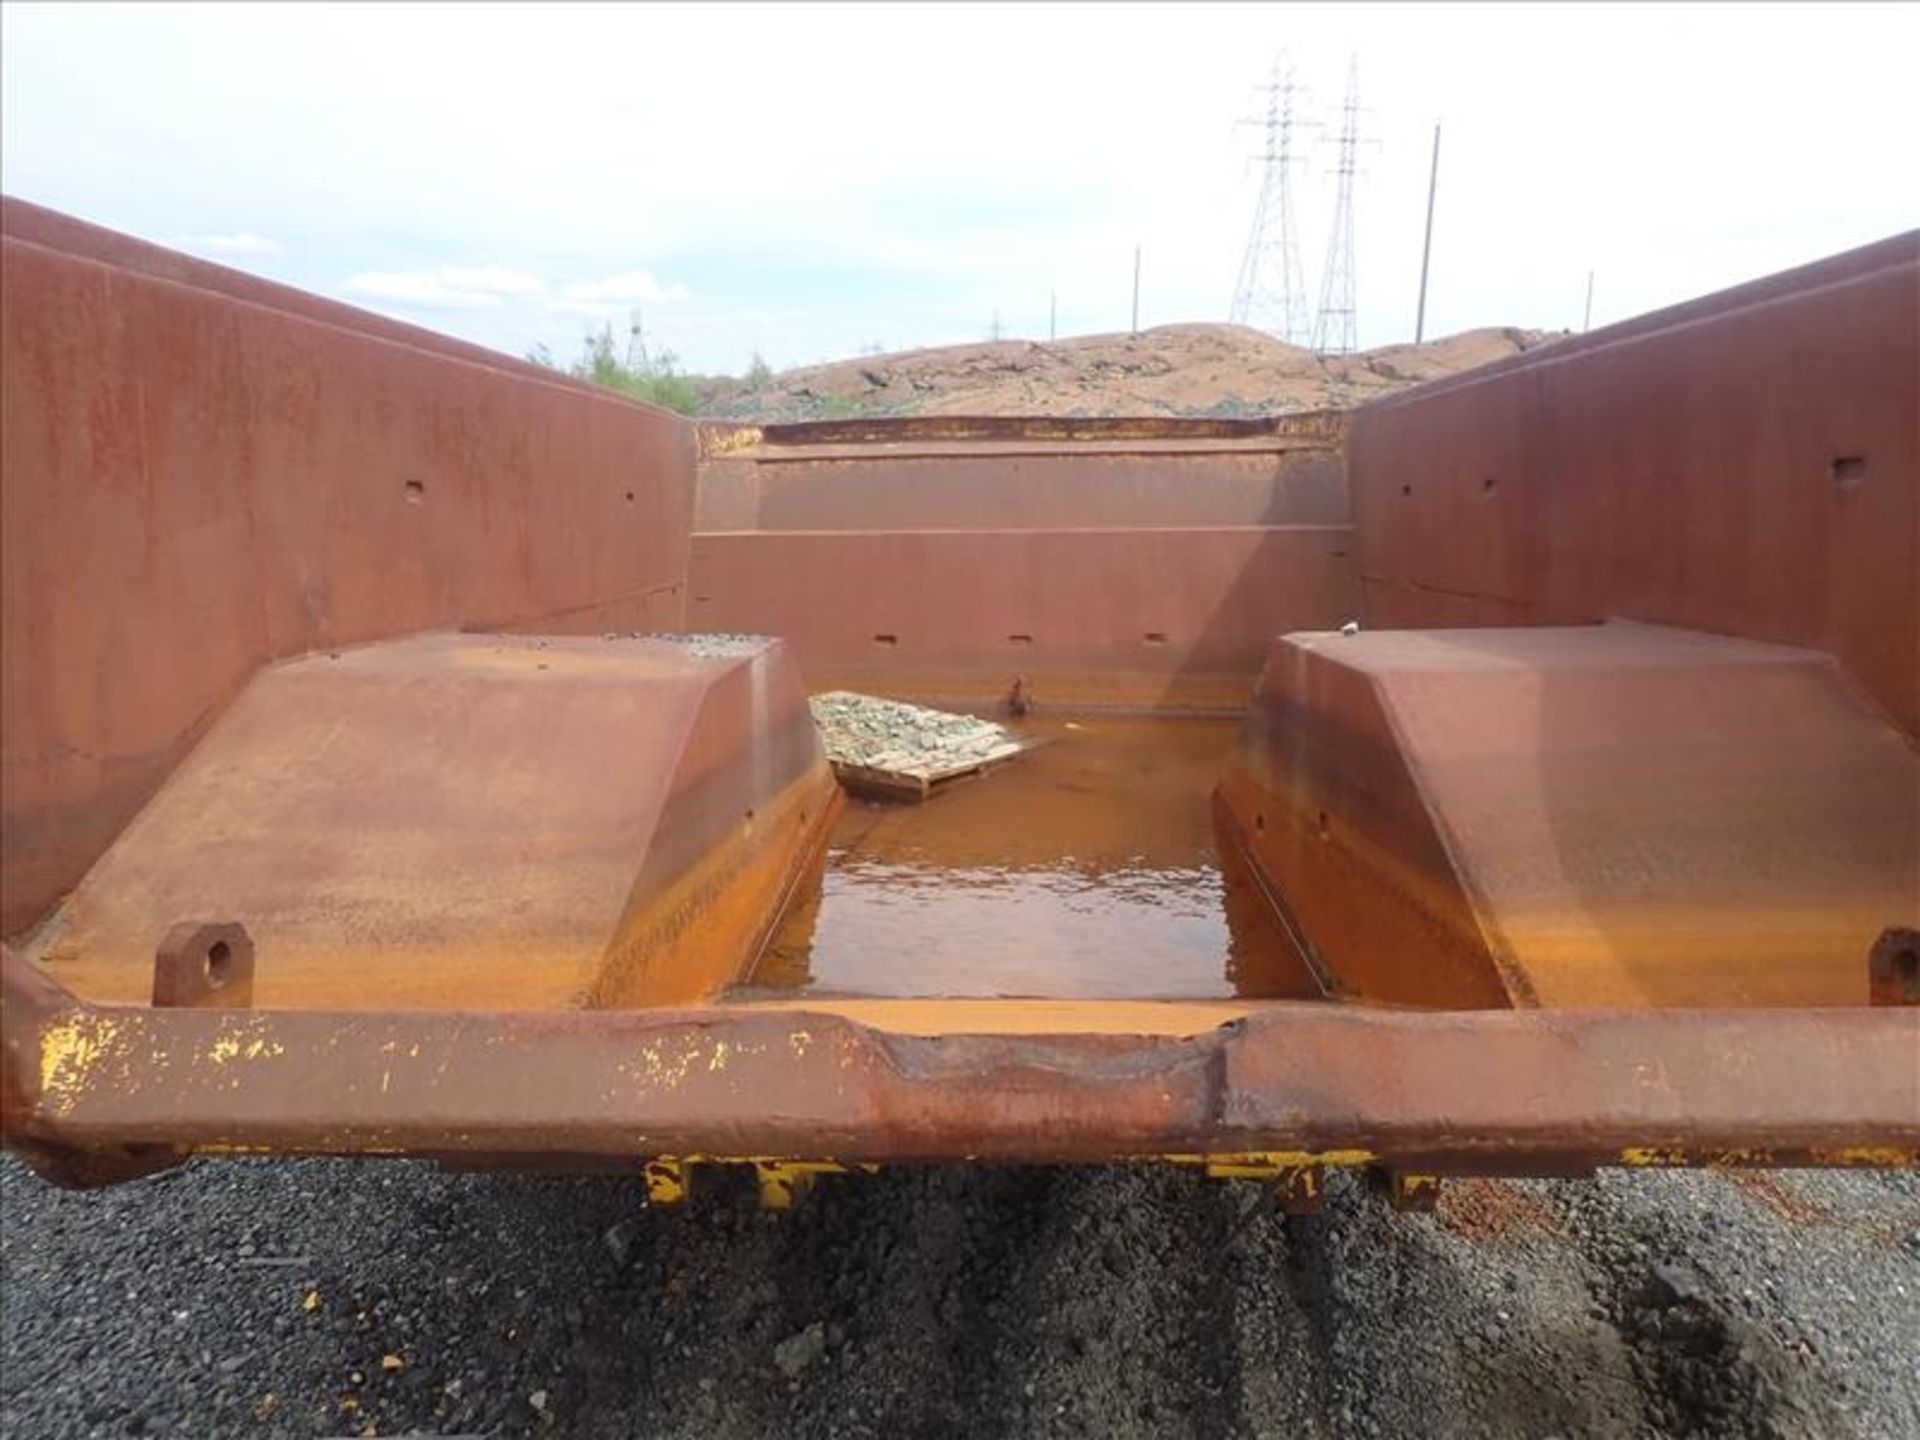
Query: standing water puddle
x=1087, y=868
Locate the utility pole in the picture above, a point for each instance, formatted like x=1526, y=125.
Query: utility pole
x=1335, y=328
x=1426, y=247
x=1586, y=322
x=1270, y=288
x=1136, y=289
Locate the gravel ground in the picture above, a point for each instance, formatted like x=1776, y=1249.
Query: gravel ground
x=336, y=1298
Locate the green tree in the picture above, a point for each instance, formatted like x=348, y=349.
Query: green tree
x=657, y=379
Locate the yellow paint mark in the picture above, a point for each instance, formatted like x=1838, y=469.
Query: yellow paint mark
x=70, y=1050
x=1652, y=1155
x=784, y=1181
x=239, y=1044
x=667, y=1181
x=392, y=1363
x=1267, y=1164
x=1889, y=1157
x=312, y=1302
x=781, y=1180
x=1414, y=1189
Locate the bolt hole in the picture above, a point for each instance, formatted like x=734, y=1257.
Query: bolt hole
x=1406, y=489
x=886, y=639
x=1320, y=825
x=1489, y=485
x=1020, y=639
x=1155, y=637
x=749, y=814
x=1259, y=822
x=629, y=497
x=218, y=964
x=416, y=492
x=1849, y=470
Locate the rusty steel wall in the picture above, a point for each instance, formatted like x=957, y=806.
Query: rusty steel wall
x=587, y=815
x=201, y=472
x=1597, y=815
x=1175, y=617
x=1141, y=562
x=1010, y=486
x=1747, y=464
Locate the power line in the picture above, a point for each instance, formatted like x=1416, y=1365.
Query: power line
x=1335, y=326
x=1426, y=246
x=1270, y=292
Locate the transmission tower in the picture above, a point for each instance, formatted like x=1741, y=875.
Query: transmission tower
x=1334, y=326
x=1270, y=289
x=636, y=342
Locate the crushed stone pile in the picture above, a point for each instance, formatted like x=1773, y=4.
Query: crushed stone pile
x=894, y=746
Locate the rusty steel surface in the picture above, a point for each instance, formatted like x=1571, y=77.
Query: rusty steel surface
x=486, y=897
x=88, y=1088
x=201, y=473
x=1323, y=426
x=1608, y=815
x=1747, y=464
x=1148, y=617
x=201, y=963
x=465, y=820
x=1893, y=967
x=982, y=486
x=1141, y=562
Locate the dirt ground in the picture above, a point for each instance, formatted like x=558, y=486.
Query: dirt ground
x=1214, y=370
x=340, y=1298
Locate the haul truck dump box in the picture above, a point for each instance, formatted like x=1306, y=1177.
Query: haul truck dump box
x=408, y=752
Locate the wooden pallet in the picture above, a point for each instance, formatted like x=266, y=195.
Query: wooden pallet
x=918, y=784
x=913, y=773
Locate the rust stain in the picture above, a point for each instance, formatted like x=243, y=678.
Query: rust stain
x=1778, y=1198
x=1487, y=1210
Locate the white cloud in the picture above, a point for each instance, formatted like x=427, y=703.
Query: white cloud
x=630, y=285
x=492, y=280
x=597, y=309
x=244, y=242
x=450, y=287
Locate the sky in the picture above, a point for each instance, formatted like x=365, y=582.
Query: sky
x=807, y=182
